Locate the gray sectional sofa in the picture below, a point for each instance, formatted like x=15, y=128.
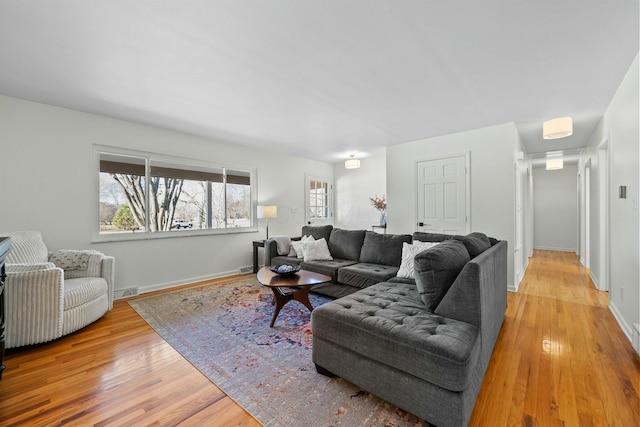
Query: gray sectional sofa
x=422, y=344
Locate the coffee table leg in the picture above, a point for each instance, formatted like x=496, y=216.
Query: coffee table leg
x=281, y=298
x=302, y=296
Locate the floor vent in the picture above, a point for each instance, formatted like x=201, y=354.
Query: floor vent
x=636, y=337
x=247, y=269
x=123, y=293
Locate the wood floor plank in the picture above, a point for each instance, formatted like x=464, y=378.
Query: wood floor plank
x=560, y=359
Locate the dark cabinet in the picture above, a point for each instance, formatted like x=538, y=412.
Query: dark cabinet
x=4, y=248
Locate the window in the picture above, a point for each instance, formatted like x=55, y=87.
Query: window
x=318, y=199
x=149, y=194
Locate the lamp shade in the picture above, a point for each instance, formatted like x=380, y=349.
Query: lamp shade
x=554, y=164
x=557, y=128
x=267, y=211
x=352, y=163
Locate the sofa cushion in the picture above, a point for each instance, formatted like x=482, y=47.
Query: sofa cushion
x=383, y=249
x=431, y=237
x=316, y=250
x=476, y=243
x=388, y=323
x=317, y=231
x=27, y=247
x=401, y=280
x=329, y=268
x=363, y=275
x=346, y=244
x=436, y=268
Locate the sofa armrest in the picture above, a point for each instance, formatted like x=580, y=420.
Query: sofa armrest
x=34, y=303
x=479, y=295
x=270, y=251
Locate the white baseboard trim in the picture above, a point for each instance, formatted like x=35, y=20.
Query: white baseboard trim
x=182, y=282
x=548, y=248
x=594, y=279
x=626, y=328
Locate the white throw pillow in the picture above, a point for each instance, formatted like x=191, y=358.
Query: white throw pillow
x=408, y=254
x=296, y=246
x=316, y=250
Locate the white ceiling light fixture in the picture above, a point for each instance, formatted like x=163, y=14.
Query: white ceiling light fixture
x=554, y=160
x=557, y=128
x=352, y=163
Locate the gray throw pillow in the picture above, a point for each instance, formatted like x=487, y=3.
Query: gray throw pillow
x=476, y=243
x=385, y=249
x=437, y=268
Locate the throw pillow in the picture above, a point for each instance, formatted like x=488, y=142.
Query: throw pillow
x=437, y=268
x=408, y=253
x=316, y=250
x=297, y=246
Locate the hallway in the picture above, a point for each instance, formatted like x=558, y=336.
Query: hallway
x=561, y=358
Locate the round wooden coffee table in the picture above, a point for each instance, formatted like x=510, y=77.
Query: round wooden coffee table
x=288, y=287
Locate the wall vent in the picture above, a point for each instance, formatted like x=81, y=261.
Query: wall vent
x=246, y=269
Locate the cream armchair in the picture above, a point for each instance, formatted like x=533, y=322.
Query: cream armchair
x=49, y=295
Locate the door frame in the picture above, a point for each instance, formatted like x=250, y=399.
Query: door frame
x=604, y=155
x=467, y=165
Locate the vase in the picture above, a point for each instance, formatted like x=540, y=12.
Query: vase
x=383, y=220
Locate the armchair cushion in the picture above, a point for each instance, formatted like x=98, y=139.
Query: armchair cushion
x=25, y=268
x=27, y=247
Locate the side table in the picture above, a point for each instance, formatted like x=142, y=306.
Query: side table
x=256, y=244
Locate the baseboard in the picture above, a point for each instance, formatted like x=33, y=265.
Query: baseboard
x=549, y=248
x=594, y=279
x=516, y=285
x=636, y=338
x=182, y=282
x=626, y=328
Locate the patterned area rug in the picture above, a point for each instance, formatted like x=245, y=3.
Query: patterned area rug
x=223, y=330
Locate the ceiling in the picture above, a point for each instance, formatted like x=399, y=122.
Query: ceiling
x=323, y=79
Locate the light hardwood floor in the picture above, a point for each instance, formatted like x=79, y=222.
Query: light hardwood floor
x=560, y=359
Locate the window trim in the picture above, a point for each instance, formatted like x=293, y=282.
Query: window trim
x=178, y=161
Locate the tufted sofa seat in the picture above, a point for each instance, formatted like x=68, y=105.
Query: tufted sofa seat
x=388, y=316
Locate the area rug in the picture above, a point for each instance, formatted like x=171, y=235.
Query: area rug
x=223, y=330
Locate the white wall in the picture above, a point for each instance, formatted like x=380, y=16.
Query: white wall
x=492, y=149
x=620, y=131
x=622, y=120
x=555, y=208
x=49, y=177
x=352, y=190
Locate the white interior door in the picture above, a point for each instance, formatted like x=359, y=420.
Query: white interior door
x=442, y=195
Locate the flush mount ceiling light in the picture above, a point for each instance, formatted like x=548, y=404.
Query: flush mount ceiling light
x=557, y=128
x=352, y=163
x=554, y=164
